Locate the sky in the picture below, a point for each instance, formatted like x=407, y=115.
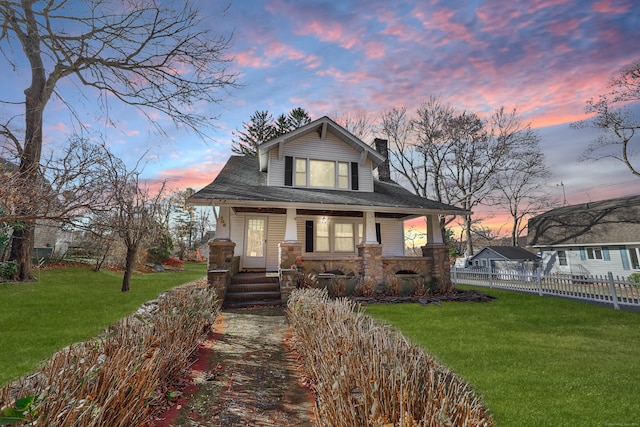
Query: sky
x=544, y=57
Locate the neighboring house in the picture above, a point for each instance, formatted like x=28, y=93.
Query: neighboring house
x=311, y=195
x=505, y=258
x=589, y=239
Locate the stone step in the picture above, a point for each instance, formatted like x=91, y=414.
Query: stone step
x=253, y=303
x=253, y=295
x=253, y=287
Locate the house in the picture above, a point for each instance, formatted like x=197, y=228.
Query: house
x=505, y=258
x=589, y=239
x=312, y=197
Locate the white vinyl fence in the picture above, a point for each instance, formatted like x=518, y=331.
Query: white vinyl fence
x=602, y=289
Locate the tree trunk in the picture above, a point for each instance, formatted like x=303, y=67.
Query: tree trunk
x=21, y=251
x=130, y=265
x=514, y=234
x=467, y=232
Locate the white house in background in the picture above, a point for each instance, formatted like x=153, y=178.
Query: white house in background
x=313, y=195
x=505, y=258
x=589, y=239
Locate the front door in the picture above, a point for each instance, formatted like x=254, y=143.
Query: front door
x=255, y=256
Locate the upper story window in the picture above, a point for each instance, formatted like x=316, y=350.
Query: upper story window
x=320, y=173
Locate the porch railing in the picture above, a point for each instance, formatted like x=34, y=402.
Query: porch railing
x=602, y=289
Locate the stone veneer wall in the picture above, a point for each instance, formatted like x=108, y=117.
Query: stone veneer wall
x=222, y=265
x=441, y=266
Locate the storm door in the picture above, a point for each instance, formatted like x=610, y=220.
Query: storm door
x=255, y=256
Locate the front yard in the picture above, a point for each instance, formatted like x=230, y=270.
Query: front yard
x=534, y=360
x=69, y=305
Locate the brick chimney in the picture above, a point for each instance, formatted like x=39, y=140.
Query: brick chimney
x=384, y=170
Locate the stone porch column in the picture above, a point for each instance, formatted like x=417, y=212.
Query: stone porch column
x=439, y=253
x=291, y=264
x=372, y=266
x=220, y=267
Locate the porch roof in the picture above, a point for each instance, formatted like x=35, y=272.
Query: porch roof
x=241, y=183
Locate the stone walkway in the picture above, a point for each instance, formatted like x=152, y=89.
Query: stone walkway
x=245, y=376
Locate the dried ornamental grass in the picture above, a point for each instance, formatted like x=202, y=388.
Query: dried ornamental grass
x=365, y=374
x=115, y=380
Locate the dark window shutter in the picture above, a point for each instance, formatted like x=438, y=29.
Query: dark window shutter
x=308, y=236
x=354, y=175
x=378, y=233
x=288, y=171
x=605, y=253
x=583, y=254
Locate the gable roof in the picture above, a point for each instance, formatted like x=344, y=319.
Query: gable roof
x=241, y=182
x=321, y=126
x=511, y=253
x=605, y=221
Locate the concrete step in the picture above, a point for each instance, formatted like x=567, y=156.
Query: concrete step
x=252, y=303
x=254, y=287
x=242, y=296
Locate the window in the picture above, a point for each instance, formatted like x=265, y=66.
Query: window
x=343, y=175
x=332, y=237
x=343, y=238
x=322, y=173
x=322, y=237
x=301, y=172
x=562, y=258
x=594, y=253
x=319, y=173
x=634, y=255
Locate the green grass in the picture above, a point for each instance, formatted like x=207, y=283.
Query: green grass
x=535, y=361
x=68, y=305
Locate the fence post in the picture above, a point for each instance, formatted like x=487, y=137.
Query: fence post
x=614, y=296
x=539, y=280
x=490, y=270
x=455, y=277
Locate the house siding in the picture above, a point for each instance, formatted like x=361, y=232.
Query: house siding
x=578, y=264
x=392, y=234
x=312, y=147
x=275, y=235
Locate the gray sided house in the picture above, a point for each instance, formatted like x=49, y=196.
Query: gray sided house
x=311, y=200
x=589, y=239
x=511, y=258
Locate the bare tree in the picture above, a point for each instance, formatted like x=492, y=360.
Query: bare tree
x=618, y=122
x=522, y=185
x=153, y=56
x=135, y=211
x=358, y=123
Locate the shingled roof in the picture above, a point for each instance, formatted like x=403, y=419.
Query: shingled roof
x=511, y=253
x=604, y=221
x=241, y=180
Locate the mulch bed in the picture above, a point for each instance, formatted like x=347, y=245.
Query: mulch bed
x=456, y=296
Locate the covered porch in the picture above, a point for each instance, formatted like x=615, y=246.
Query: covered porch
x=370, y=261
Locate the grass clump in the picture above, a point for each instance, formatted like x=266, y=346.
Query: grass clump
x=366, y=375
x=69, y=305
x=536, y=361
x=117, y=379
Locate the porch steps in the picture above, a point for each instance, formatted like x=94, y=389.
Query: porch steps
x=253, y=289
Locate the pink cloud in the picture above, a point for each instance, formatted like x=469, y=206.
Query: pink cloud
x=248, y=58
x=611, y=6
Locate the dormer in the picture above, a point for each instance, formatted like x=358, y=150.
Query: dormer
x=320, y=155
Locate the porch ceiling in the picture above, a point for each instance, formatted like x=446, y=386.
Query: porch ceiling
x=319, y=212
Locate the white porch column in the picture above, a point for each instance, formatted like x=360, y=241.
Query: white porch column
x=223, y=227
x=291, y=226
x=434, y=233
x=370, y=228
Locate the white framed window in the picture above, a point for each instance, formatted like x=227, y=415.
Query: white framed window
x=634, y=257
x=343, y=175
x=562, y=258
x=301, y=172
x=336, y=236
x=594, y=253
x=321, y=173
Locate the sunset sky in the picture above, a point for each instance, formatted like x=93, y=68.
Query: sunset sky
x=545, y=57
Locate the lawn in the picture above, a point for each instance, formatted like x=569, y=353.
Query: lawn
x=536, y=361
x=68, y=305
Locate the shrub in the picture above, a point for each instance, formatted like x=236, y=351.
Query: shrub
x=635, y=278
x=117, y=379
x=8, y=269
x=174, y=262
x=366, y=375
